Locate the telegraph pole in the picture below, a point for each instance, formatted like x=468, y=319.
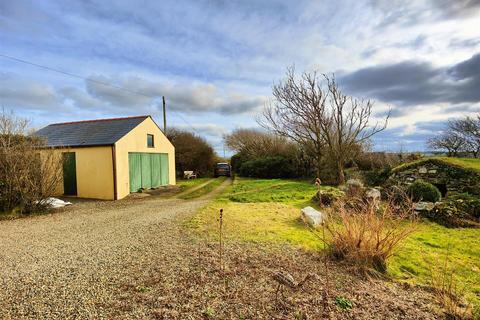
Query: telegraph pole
x=164, y=116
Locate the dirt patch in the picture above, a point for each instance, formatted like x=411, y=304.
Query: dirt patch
x=198, y=288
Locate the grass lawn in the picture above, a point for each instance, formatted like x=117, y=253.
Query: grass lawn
x=465, y=163
x=268, y=210
x=186, y=184
x=205, y=189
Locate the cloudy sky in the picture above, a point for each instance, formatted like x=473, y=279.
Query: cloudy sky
x=215, y=61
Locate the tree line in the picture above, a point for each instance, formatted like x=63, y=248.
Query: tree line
x=311, y=122
x=460, y=137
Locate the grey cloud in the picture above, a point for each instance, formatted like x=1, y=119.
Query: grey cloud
x=22, y=93
x=208, y=129
x=457, y=8
x=412, y=83
x=181, y=97
x=464, y=43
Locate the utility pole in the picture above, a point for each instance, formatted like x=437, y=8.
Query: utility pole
x=164, y=116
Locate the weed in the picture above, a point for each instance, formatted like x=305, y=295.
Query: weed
x=366, y=236
x=448, y=294
x=143, y=289
x=208, y=312
x=343, y=303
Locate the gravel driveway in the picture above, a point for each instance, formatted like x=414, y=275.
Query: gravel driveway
x=69, y=264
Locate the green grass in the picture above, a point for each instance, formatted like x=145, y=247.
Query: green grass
x=268, y=211
x=186, y=184
x=204, y=190
x=427, y=249
x=464, y=163
x=294, y=192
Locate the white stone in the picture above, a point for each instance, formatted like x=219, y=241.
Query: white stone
x=312, y=217
x=373, y=194
x=432, y=171
x=422, y=170
x=424, y=206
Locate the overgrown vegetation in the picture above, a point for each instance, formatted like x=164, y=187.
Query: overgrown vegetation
x=268, y=211
x=458, y=210
x=29, y=171
x=423, y=191
x=366, y=235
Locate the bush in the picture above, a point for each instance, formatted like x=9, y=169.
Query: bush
x=366, y=236
x=423, y=191
x=267, y=167
x=29, y=171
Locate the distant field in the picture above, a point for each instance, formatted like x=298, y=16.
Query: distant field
x=470, y=163
x=266, y=210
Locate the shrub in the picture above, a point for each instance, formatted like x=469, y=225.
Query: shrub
x=29, y=171
x=423, y=191
x=328, y=197
x=267, y=167
x=366, y=236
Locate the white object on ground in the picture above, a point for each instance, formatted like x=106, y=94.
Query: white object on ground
x=54, y=202
x=312, y=217
x=373, y=194
x=424, y=206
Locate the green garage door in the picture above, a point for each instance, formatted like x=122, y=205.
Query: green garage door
x=147, y=170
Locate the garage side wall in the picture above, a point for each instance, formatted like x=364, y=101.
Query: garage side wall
x=94, y=172
x=136, y=141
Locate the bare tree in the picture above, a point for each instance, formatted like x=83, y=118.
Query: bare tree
x=313, y=111
x=468, y=128
x=448, y=141
x=29, y=171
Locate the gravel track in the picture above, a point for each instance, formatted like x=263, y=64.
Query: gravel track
x=70, y=264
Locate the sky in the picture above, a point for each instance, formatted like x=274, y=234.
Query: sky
x=216, y=61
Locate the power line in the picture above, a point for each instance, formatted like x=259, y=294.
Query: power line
x=94, y=81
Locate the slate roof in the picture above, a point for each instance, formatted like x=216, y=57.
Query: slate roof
x=88, y=133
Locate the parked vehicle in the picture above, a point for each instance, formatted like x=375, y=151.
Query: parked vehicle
x=222, y=169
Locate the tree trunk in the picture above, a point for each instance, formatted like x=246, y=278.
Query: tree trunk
x=340, y=173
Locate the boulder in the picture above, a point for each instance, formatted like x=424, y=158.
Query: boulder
x=312, y=217
x=373, y=195
x=424, y=206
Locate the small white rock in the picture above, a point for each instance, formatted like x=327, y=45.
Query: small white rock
x=312, y=217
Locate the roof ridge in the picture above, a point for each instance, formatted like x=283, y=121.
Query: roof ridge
x=99, y=120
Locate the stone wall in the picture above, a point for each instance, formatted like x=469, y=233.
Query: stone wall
x=439, y=173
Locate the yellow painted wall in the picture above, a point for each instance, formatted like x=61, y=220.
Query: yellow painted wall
x=136, y=141
x=94, y=170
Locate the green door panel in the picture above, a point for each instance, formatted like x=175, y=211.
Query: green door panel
x=164, y=169
x=155, y=161
x=135, y=171
x=69, y=174
x=147, y=170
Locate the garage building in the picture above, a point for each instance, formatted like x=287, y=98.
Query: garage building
x=110, y=158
